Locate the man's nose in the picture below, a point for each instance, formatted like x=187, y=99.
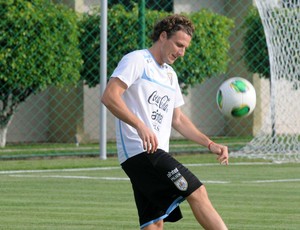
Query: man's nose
x=181, y=51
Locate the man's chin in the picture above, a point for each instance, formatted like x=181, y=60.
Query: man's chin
x=170, y=62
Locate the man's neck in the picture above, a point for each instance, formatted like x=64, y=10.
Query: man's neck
x=155, y=53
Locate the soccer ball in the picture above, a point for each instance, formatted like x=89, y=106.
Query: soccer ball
x=236, y=98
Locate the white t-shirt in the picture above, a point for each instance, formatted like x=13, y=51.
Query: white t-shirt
x=152, y=94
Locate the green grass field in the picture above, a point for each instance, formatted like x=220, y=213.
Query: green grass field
x=88, y=193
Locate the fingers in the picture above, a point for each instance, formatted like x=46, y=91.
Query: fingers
x=149, y=139
x=223, y=157
x=150, y=144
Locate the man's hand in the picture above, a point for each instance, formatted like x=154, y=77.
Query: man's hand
x=150, y=142
x=221, y=151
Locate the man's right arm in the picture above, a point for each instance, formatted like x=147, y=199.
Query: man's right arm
x=112, y=99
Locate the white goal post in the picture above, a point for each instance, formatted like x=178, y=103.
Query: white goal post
x=279, y=137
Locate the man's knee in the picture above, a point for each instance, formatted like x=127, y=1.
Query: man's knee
x=199, y=194
x=203, y=210
x=155, y=226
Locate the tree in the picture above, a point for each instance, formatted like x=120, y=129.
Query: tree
x=165, y=5
x=34, y=53
x=206, y=57
x=255, y=49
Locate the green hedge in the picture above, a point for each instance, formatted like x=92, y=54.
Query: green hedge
x=38, y=47
x=255, y=50
x=207, y=56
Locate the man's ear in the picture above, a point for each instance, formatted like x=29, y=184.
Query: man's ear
x=163, y=35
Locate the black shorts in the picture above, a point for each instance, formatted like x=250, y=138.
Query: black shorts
x=160, y=183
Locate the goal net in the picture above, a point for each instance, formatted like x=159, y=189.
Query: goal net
x=279, y=137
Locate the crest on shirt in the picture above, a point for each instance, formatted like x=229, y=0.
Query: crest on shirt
x=181, y=184
x=170, y=76
x=149, y=60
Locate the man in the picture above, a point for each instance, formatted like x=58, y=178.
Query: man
x=144, y=95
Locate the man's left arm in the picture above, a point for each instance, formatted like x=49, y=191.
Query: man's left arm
x=185, y=127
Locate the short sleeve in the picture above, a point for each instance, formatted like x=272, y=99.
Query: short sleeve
x=179, y=101
x=130, y=68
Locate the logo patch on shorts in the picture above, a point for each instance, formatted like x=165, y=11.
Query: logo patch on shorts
x=178, y=179
x=181, y=184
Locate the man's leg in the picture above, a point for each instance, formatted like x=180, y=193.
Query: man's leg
x=203, y=210
x=159, y=225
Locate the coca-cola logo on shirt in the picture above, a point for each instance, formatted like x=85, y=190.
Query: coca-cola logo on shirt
x=162, y=104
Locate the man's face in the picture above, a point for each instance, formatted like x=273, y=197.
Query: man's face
x=174, y=47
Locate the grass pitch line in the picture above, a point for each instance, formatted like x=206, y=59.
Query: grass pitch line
x=127, y=179
x=74, y=177
x=100, y=178
x=273, y=181
x=117, y=167
x=58, y=170
x=237, y=163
